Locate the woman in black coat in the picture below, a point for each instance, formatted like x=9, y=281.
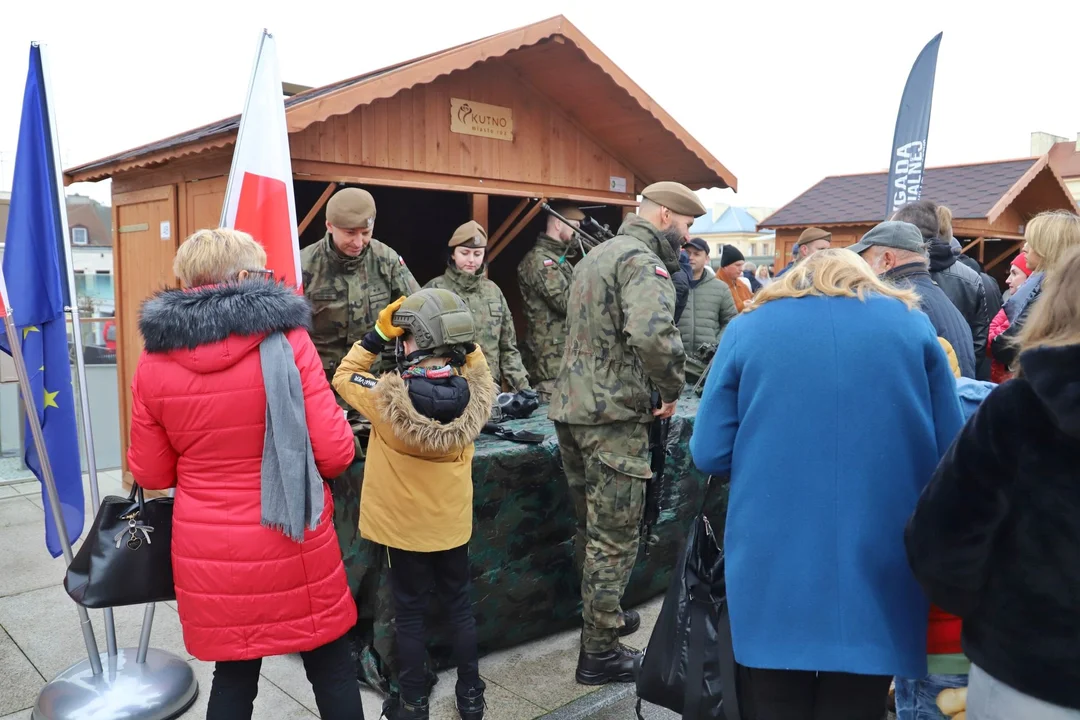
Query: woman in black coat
x=995, y=538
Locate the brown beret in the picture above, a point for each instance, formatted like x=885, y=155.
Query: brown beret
x=676, y=197
x=568, y=211
x=350, y=209
x=811, y=234
x=470, y=235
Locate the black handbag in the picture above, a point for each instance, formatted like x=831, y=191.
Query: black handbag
x=689, y=665
x=126, y=558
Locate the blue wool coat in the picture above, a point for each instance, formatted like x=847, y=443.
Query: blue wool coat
x=830, y=415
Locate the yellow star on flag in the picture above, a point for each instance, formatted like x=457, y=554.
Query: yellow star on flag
x=27, y=330
x=50, y=399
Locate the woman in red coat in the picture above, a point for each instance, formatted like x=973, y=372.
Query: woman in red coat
x=230, y=406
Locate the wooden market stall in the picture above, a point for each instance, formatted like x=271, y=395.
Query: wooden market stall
x=487, y=130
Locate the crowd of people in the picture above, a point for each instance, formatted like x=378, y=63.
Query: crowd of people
x=896, y=432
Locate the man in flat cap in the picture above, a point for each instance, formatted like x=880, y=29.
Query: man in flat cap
x=349, y=276
x=622, y=345
x=544, y=275
x=494, y=325
x=810, y=241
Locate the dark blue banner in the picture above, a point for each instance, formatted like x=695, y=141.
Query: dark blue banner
x=912, y=127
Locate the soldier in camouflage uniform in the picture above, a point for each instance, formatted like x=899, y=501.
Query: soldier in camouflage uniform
x=349, y=276
x=495, y=333
x=544, y=275
x=622, y=345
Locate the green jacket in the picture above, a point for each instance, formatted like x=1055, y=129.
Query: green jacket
x=347, y=294
x=622, y=341
x=493, y=323
x=544, y=275
x=708, y=311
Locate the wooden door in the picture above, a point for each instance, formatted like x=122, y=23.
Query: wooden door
x=145, y=241
x=202, y=208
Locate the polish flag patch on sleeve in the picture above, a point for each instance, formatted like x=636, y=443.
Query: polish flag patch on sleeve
x=401, y=261
x=662, y=272
x=549, y=262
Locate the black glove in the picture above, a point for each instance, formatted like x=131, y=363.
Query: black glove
x=469, y=347
x=373, y=343
x=529, y=394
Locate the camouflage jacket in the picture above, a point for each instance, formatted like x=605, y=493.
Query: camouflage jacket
x=494, y=325
x=622, y=339
x=544, y=276
x=347, y=294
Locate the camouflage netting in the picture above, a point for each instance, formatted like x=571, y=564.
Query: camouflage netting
x=522, y=552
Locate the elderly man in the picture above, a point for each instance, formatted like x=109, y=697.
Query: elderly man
x=897, y=252
x=622, y=343
x=709, y=309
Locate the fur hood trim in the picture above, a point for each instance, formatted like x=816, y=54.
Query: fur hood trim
x=175, y=319
x=431, y=436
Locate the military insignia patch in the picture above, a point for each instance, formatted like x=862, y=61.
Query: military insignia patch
x=401, y=261
x=549, y=262
x=363, y=380
x=662, y=272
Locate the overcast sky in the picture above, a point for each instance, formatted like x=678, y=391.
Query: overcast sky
x=782, y=93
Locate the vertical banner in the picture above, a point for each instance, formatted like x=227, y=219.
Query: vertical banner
x=912, y=127
x=259, y=197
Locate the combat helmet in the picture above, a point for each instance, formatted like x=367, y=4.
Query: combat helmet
x=439, y=322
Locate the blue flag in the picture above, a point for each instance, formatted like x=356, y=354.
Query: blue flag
x=912, y=128
x=35, y=273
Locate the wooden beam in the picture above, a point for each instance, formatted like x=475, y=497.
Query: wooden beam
x=316, y=208
x=982, y=252
x=518, y=209
x=972, y=244
x=363, y=175
x=997, y=260
x=506, y=239
x=480, y=210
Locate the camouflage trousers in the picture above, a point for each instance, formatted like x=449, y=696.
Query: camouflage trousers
x=606, y=468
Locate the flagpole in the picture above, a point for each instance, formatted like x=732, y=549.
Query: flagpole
x=46, y=466
x=230, y=191
x=73, y=310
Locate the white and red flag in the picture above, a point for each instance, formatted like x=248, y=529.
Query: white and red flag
x=259, y=197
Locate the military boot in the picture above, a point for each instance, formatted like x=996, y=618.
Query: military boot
x=397, y=709
x=470, y=701
x=618, y=665
x=630, y=622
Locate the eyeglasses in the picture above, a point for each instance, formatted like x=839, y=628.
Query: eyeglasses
x=266, y=274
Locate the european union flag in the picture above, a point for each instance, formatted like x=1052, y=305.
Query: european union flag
x=34, y=272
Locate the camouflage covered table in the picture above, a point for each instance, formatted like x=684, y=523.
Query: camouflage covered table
x=522, y=550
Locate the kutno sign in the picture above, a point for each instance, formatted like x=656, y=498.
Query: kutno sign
x=475, y=118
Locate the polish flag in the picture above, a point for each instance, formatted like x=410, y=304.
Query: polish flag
x=259, y=197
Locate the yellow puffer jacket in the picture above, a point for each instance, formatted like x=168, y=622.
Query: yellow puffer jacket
x=418, y=490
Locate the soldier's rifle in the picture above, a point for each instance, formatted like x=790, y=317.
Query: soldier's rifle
x=589, y=233
x=654, y=486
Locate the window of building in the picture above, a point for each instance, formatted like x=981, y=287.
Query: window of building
x=753, y=249
x=79, y=236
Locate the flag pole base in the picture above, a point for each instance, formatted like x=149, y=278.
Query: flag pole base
x=163, y=687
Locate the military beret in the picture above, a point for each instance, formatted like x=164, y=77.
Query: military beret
x=568, y=211
x=676, y=197
x=470, y=235
x=811, y=234
x=350, y=209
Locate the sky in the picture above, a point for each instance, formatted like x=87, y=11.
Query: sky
x=782, y=93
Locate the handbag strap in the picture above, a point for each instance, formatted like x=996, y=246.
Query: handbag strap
x=136, y=494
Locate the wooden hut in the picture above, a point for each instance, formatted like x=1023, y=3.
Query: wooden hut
x=990, y=202
x=487, y=130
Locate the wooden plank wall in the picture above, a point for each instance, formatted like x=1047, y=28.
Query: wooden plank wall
x=411, y=131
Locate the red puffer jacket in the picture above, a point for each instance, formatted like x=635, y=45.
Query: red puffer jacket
x=198, y=420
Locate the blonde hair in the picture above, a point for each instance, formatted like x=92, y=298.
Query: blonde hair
x=1051, y=235
x=210, y=257
x=944, y=218
x=1055, y=318
x=832, y=273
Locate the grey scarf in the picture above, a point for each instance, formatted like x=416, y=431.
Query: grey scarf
x=292, y=489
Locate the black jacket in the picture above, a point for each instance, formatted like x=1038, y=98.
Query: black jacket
x=946, y=319
x=965, y=288
x=995, y=537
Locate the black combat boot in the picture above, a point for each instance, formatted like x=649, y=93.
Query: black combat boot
x=470, y=701
x=631, y=621
x=618, y=665
x=397, y=709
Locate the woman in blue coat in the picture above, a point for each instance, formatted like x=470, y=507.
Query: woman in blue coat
x=830, y=406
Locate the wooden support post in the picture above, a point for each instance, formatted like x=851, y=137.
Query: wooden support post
x=480, y=210
x=972, y=244
x=494, y=237
x=982, y=251
x=508, y=237
x=316, y=208
x=1008, y=253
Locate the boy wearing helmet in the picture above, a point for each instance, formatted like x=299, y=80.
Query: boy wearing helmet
x=418, y=491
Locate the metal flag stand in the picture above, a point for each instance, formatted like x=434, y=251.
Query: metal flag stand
x=141, y=683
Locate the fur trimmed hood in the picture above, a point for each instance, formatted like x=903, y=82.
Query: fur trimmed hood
x=431, y=436
x=185, y=319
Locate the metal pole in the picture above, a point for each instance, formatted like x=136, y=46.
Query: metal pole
x=144, y=638
x=73, y=309
x=46, y=468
